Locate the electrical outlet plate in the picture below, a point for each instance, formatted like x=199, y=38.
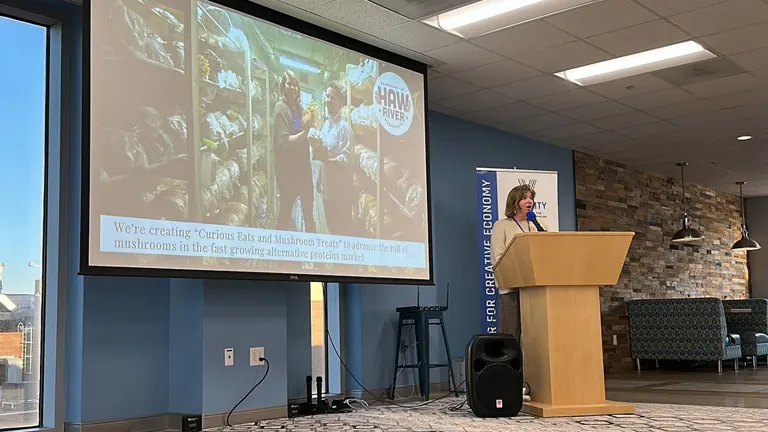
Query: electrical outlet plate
x=256, y=354
x=229, y=356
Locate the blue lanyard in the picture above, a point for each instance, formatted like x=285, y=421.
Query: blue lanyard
x=521, y=227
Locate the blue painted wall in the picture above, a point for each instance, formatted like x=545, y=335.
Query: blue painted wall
x=239, y=315
x=125, y=347
x=138, y=347
x=185, y=345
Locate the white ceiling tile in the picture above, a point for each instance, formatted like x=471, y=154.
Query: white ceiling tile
x=420, y=9
x=679, y=110
x=596, y=111
x=361, y=15
x=739, y=40
x=560, y=58
x=307, y=4
x=648, y=129
x=432, y=73
x=752, y=112
x=762, y=74
x=571, y=99
x=722, y=17
x=628, y=151
x=657, y=99
x=572, y=130
x=462, y=56
x=595, y=139
x=417, y=36
x=476, y=101
x=735, y=99
x=542, y=122
x=670, y=137
x=725, y=85
x=675, y=7
x=643, y=37
x=631, y=86
x=524, y=38
x=624, y=120
x=496, y=74
x=511, y=112
x=601, y=17
x=752, y=60
x=536, y=87
x=705, y=122
x=445, y=87
x=444, y=109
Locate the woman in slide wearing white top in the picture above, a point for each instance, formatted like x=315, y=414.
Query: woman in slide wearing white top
x=520, y=201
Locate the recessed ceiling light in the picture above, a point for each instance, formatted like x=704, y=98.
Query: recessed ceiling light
x=744, y=138
x=487, y=16
x=639, y=63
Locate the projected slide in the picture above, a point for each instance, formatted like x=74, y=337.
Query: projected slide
x=222, y=142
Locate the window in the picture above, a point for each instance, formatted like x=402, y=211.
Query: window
x=23, y=75
x=324, y=304
x=319, y=348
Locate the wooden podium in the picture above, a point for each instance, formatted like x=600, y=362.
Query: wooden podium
x=559, y=275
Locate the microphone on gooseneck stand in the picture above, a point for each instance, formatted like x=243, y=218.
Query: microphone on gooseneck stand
x=531, y=216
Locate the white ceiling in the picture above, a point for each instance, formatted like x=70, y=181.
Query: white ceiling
x=504, y=79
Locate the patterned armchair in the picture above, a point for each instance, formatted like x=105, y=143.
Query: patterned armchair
x=749, y=319
x=689, y=329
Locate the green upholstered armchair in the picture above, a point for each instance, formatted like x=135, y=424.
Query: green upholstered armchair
x=749, y=319
x=688, y=329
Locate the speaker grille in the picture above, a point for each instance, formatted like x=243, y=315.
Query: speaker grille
x=496, y=384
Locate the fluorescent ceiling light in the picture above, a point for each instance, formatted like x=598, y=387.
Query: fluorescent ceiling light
x=636, y=64
x=487, y=16
x=744, y=138
x=292, y=63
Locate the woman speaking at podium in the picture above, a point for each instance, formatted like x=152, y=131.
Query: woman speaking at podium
x=520, y=201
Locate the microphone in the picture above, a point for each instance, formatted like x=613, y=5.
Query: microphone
x=531, y=216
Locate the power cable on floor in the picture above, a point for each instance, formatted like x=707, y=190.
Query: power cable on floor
x=249, y=391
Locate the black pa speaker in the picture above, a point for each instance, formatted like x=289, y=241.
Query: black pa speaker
x=494, y=374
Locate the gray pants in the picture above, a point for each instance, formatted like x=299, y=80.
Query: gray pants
x=509, y=314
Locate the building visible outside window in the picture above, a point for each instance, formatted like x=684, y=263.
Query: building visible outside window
x=23, y=65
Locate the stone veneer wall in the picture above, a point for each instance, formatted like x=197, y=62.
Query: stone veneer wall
x=614, y=197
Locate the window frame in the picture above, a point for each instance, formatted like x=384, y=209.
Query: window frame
x=28, y=329
x=62, y=136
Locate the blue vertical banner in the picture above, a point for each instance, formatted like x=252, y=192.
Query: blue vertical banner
x=487, y=215
x=493, y=185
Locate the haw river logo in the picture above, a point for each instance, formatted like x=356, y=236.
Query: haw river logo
x=393, y=102
x=531, y=183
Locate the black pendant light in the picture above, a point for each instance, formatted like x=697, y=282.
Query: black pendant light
x=686, y=234
x=745, y=243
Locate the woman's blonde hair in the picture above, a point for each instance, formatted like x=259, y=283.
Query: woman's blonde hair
x=514, y=197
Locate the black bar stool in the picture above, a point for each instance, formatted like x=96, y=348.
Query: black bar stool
x=422, y=317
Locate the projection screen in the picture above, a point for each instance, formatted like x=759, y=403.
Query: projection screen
x=222, y=142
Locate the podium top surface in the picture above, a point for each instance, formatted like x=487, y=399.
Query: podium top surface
x=563, y=258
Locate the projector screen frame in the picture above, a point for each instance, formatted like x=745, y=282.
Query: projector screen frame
x=292, y=23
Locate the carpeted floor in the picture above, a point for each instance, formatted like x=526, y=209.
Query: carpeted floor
x=649, y=417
